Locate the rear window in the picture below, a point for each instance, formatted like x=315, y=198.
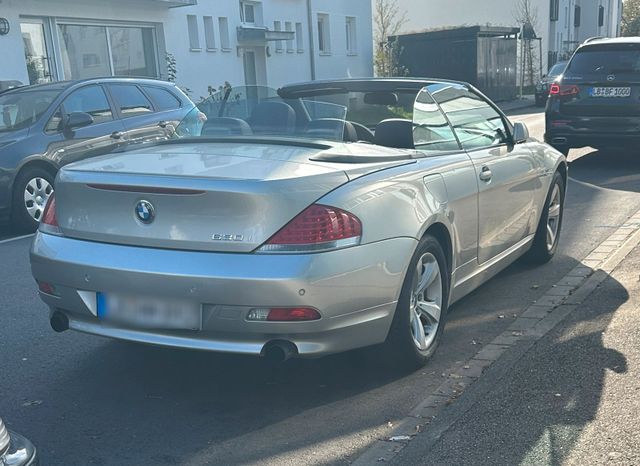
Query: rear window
x=621, y=60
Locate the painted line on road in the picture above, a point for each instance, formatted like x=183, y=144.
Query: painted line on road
x=17, y=238
x=539, y=318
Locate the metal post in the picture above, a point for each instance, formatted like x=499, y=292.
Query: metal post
x=312, y=50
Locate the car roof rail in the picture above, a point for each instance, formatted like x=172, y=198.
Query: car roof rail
x=591, y=39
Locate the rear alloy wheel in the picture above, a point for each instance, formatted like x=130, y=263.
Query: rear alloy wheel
x=422, y=308
x=545, y=242
x=32, y=190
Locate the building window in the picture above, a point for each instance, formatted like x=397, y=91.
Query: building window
x=289, y=28
x=247, y=12
x=223, y=25
x=277, y=26
x=324, y=34
x=90, y=51
x=194, y=37
x=209, y=34
x=576, y=17
x=554, y=9
x=566, y=17
x=299, y=38
x=600, y=16
x=352, y=47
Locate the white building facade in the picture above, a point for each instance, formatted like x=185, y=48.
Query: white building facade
x=561, y=24
x=264, y=42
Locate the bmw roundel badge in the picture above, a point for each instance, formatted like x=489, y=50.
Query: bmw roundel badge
x=145, y=212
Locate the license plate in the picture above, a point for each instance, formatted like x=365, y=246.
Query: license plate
x=149, y=312
x=610, y=92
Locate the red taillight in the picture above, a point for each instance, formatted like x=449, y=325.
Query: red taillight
x=283, y=314
x=558, y=89
x=49, y=215
x=318, y=227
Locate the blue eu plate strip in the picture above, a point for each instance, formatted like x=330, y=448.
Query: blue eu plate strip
x=101, y=302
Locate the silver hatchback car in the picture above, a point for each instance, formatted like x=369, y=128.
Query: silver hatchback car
x=316, y=219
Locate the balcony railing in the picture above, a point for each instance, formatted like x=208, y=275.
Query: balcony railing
x=176, y=3
x=259, y=36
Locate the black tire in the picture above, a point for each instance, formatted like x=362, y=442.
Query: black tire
x=540, y=252
x=19, y=214
x=400, y=348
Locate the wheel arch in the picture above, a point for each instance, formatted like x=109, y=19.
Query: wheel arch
x=441, y=233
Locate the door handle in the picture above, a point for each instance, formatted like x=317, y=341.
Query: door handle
x=485, y=174
x=117, y=135
x=162, y=124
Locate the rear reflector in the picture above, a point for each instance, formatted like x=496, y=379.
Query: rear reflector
x=278, y=314
x=317, y=228
x=47, y=288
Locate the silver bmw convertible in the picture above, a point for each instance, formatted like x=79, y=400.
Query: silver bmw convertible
x=318, y=218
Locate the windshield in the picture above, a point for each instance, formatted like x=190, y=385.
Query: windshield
x=557, y=69
x=598, y=62
x=23, y=108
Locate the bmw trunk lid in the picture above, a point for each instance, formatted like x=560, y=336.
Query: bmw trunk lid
x=226, y=197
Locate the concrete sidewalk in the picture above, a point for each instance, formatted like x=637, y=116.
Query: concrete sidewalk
x=572, y=398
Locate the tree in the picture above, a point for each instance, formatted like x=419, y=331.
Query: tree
x=631, y=18
x=527, y=17
x=388, y=20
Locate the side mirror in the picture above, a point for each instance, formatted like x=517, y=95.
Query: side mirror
x=77, y=120
x=520, y=133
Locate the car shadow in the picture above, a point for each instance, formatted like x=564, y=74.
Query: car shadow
x=617, y=169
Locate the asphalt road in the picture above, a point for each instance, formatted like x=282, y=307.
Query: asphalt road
x=85, y=400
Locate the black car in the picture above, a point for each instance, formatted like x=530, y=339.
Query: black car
x=596, y=100
x=46, y=126
x=542, y=88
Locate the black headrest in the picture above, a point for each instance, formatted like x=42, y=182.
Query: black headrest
x=226, y=127
x=273, y=117
x=395, y=132
x=332, y=128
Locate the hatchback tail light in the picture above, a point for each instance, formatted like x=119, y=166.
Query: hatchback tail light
x=49, y=221
x=317, y=228
x=562, y=89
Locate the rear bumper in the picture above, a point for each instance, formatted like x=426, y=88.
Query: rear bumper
x=354, y=289
x=578, y=131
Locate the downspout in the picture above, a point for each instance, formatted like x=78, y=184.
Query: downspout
x=312, y=49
